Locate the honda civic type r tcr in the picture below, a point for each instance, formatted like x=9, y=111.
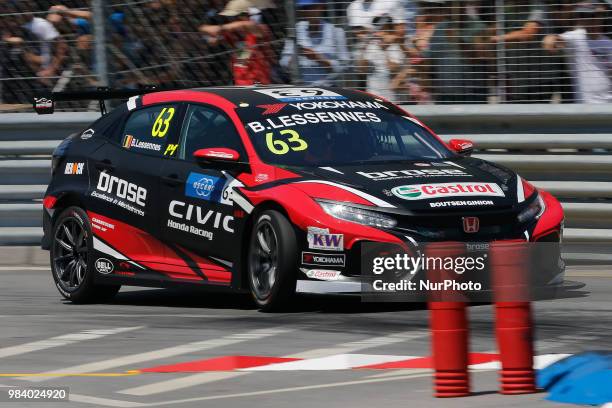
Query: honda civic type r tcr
x=270, y=190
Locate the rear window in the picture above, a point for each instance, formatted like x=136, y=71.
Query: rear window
x=148, y=130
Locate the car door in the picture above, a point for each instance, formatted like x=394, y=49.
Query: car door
x=124, y=187
x=196, y=207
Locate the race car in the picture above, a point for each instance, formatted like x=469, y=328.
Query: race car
x=268, y=189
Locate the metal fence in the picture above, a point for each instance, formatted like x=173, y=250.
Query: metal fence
x=409, y=51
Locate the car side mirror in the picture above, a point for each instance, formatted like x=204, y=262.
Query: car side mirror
x=220, y=158
x=462, y=147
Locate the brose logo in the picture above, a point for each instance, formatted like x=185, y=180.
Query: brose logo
x=392, y=174
x=438, y=190
x=122, y=189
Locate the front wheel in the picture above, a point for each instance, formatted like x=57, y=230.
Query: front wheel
x=272, y=261
x=71, y=266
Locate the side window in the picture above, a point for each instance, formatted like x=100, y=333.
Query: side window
x=206, y=127
x=147, y=130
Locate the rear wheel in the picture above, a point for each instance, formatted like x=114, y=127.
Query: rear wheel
x=71, y=263
x=272, y=261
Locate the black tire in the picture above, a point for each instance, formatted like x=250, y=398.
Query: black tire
x=272, y=294
x=71, y=259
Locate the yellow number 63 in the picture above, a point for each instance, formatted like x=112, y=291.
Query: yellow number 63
x=282, y=147
x=161, y=125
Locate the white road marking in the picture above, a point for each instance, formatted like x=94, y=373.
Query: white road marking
x=208, y=377
x=24, y=268
x=335, y=362
x=133, y=315
x=87, y=399
x=289, y=389
x=400, y=372
x=539, y=362
x=128, y=404
x=62, y=340
x=181, y=383
x=163, y=353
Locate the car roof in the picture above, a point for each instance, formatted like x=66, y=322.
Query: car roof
x=260, y=94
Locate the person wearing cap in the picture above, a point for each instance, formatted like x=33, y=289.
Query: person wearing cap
x=322, y=53
x=361, y=14
x=252, y=57
x=381, y=58
x=589, y=53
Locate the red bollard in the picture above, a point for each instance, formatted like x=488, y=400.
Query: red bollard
x=449, y=331
x=514, y=326
x=515, y=342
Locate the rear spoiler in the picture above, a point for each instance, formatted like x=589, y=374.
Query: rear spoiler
x=45, y=104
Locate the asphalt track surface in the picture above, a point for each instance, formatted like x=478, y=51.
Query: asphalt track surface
x=92, y=349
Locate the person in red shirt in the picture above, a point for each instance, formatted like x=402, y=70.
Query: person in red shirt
x=252, y=55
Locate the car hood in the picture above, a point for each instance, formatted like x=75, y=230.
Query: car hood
x=460, y=183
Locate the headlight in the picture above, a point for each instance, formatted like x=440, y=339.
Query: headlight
x=356, y=214
x=533, y=210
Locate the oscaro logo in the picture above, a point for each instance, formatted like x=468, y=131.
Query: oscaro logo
x=104, y=266
x=428, y=191
x=204, y=187
x=122, y=189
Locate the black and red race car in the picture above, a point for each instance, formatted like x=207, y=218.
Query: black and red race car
x=268, y=189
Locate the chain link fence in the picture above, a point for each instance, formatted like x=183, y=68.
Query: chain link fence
x=408, y=51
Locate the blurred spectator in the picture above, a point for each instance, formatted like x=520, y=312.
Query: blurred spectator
x=452, y=56
x=528, y=74
x=382, y=58
x=206, y=61
x=249, y=40
x=322, y=51
x=413, y=82
x=361, y=14
x=47, y=52
x=590, y=54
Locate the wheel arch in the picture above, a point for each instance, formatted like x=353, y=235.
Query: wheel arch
x=246, y=234
x=66, y=200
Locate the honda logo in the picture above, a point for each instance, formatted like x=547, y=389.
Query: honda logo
x=471, y=225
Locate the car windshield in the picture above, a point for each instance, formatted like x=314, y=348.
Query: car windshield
x=314, y=134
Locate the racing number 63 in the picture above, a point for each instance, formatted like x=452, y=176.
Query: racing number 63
x=282, y=147
x=162, y=124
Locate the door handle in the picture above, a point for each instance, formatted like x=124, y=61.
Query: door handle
x=171, y=180
x=105, y=164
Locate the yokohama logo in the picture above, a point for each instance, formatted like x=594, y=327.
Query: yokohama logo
x=271, y=109
x=312, y=258
x=443, y=190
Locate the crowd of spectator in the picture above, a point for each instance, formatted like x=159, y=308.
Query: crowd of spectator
x=408, y=51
